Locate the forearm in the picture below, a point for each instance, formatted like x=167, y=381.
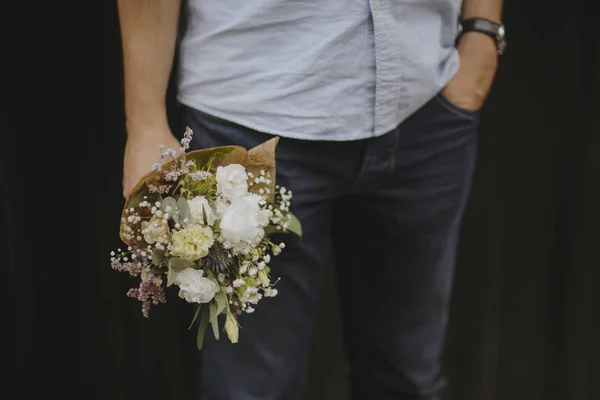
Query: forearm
x=478, y=58
x=488, y=9
x=148, y=36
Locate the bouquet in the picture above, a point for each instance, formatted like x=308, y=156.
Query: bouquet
x=201, y=220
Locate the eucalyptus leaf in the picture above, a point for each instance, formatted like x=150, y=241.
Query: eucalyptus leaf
x=169, y=203
x=204, y=320
x=195, y=315
x=221, y=299
x=171, y=274
x=232, y=328
x=184, y=209
x=270, y=229
x=213, y=319
x=294, y=225
x=179, y=264
x=158, y=256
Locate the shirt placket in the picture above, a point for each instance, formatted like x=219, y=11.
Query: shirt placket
x=387, y=65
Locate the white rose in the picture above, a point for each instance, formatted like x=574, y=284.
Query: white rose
x=201, y=211
x=192, y=242
x=194, y=287
x=243, y=221
x=155, y=230
x=232, y=181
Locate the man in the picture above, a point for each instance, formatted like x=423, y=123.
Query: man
x=376, y=102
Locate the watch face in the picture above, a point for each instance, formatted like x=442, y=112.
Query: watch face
x=501, y=40
x=501, y=32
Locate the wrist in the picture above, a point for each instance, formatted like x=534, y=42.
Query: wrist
x=147, y=115
x=472, y=27
x=148, y=128
x=477, y=42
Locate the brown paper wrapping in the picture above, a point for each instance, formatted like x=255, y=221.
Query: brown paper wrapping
x=261, y=157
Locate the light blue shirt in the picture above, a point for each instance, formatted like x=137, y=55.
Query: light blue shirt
x=317, y=69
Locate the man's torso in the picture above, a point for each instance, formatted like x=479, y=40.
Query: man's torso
x=317, y=69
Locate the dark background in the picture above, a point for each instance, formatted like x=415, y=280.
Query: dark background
x=525, y=321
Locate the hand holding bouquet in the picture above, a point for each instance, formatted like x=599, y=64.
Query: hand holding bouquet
x=201, y=220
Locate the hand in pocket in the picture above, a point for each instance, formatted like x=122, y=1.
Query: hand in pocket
x=469, y=88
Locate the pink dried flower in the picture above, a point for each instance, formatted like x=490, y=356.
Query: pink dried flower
x=133, y=268
x=187, y=138
x=200, y=175
x=172, y=175
x=150, y=291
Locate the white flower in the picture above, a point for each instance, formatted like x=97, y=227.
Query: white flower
x=194, y=287
x=255, y=298
x=232, y=181
x=243, y=221
x=244, y=267
x=192, y=242
x=201, y=211
x=156, y=230
x=251, y=290
x=220, y=206
x=238, y=282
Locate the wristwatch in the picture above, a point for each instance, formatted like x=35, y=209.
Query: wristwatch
x=493, y=29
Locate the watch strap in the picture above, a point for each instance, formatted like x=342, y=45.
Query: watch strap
x=493, y=29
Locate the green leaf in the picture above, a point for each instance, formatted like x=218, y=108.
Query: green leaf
x=210, y=275
x=262, y=275
x=295, y=226
x=171, y=274
x=179, y=264
x=221, y=299
x=184, y=209
x=202, y=328
x=158, y=256
x=168, y=201
x=195, y=315
x=137, y=199
x=270, y=229
x=213, y=318
x=184, y=192
x=232, y=328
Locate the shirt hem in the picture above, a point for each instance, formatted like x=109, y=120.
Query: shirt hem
x=345, y=137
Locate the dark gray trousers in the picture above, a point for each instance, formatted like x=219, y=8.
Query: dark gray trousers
x=391, y=208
